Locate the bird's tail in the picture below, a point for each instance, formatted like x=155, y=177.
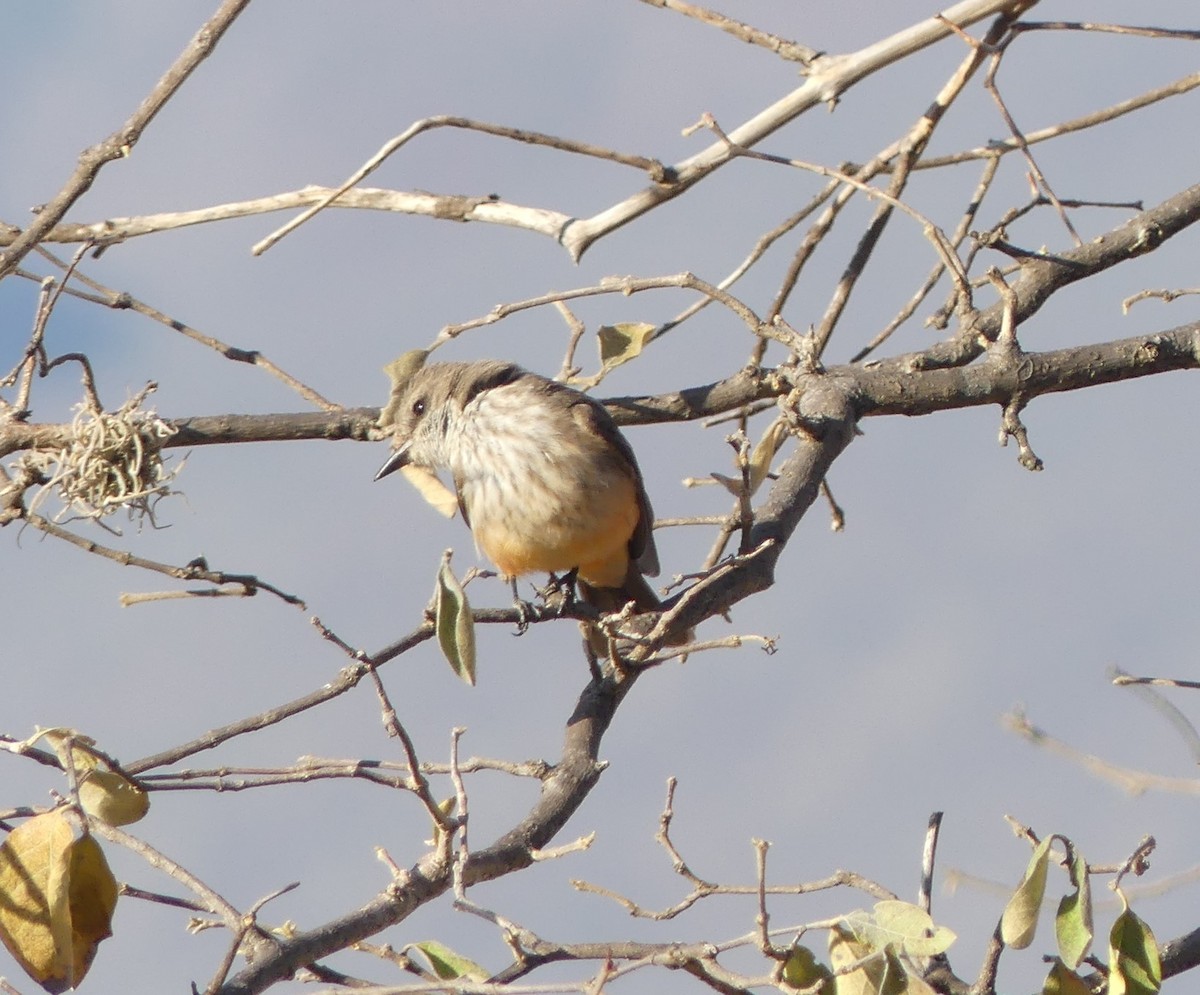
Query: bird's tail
x=612, y=599
x=633, y=588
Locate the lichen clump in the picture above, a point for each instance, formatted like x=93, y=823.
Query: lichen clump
x=113, y=461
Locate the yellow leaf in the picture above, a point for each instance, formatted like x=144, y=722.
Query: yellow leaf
x=113, y=798
x=57, y=897
x=443, y=500
x=58, y=738
x=92, y=897
x=844, y=950
x=879, y=972
x=104, y=793
x=764, y=453
x=454, y=622
x=1019, y=922
x=622, y=342
x=31, y=866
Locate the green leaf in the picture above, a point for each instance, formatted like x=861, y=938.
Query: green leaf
x=1073, y=923
x=910, y=930
x=1019, y=922
x=454, y=622
x=1063, y=981
x=622, y=342
x=1133, y=964
x=902, y=926
x=448, y=965
x=803, y=970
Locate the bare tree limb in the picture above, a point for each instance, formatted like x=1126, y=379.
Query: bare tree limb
x=828, y=78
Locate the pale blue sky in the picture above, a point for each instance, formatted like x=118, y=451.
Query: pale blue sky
x=962, y=586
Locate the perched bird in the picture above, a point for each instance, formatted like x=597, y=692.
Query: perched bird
x=544, y=478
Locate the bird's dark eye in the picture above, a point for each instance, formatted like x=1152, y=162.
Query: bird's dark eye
x=418, y=407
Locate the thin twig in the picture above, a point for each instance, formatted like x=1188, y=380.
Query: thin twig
x=1118, y=29
x=1133, y=781
x=757, y=252
x=990, y=168
x=790, y=50
x=762, y=918
x=462, y=815
x=656, y=170
x=928, y=856
x=122, y=301
x=577, y=330
x=1166, y=296
x=209, y=899
x=193, y=571
x=418, y=784
x=1144, y=688
x=999, y=148
x=909, y=151
x=857, y=181
x=121, y=142
x=624, y=286
x=346, y=680
x=989, y=83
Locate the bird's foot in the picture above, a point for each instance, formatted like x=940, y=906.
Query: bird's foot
x=526, y=612
x=562, y=587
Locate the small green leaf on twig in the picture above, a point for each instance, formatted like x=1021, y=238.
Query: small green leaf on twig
x=1019, y=922
x=1073, y=923
x=803, y=970
x=1063, y=981
x=454, y=622
x=1133, y=964
x=448, y=965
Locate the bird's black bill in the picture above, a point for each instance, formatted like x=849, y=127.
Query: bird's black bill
x=394, y=462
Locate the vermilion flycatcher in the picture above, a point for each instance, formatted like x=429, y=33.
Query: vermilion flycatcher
x=544, y=477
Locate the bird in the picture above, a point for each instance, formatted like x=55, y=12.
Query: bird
x=544, y=478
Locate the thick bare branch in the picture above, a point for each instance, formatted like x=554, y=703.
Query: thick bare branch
x=1042, y=274
x=877, y=389
x=828, y=78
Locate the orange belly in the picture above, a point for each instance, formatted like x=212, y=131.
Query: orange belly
x=541, y=537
